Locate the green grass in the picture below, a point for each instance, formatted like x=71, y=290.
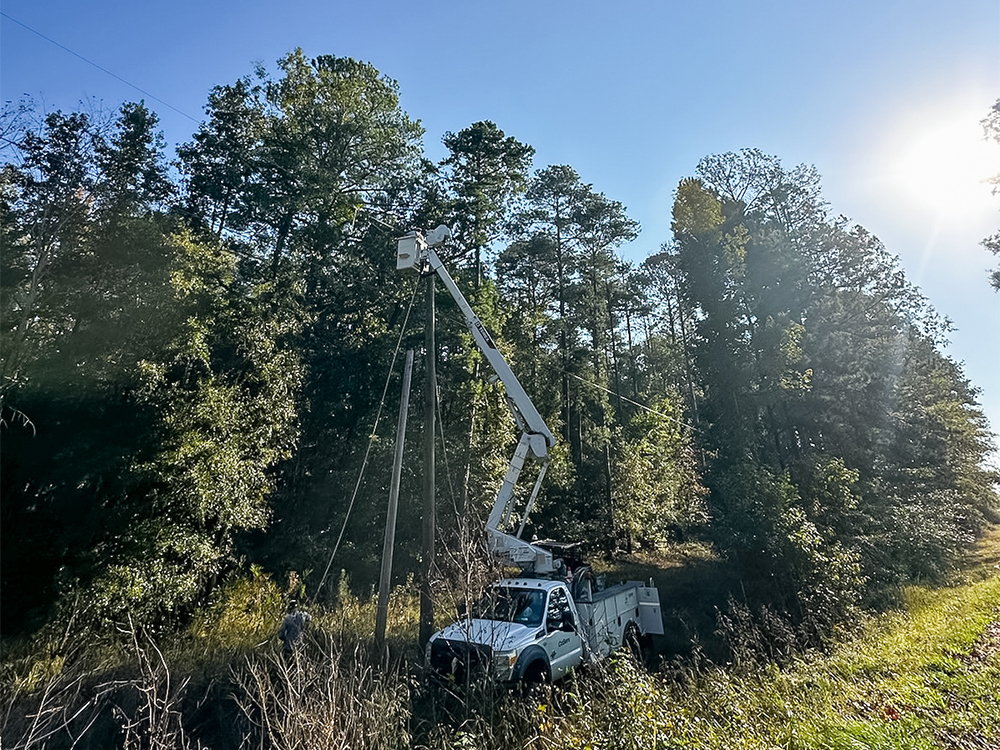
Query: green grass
x=925, y=676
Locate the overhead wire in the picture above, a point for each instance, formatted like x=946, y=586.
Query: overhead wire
x=371, y=439
x=635, y=403
x=444, y=449
x=99, y=67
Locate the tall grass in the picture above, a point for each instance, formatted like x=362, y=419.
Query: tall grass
x=918, y=678
x=925, y=676
x=93, y=690
x=336, y=697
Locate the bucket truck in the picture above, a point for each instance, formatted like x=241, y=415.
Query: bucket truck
x=553, y=616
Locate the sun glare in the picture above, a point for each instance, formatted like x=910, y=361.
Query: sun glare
x=940, y=165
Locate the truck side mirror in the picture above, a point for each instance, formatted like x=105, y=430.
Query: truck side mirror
x=567, y=622
x=463, y=609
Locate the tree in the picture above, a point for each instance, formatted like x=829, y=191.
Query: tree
x=822, y=401
x=46, y=206
x=131, y=163
x=991, y=129
x=310, y=174
x=218, y=164
x=305, y=161
x=603, y=227
x=655, y=480
x=667, y=324
x=222, y=396
x=481, y=177
x=552, y=211
x=485, y=170
x=571, y=232
x=526, y=272
x=159, y=389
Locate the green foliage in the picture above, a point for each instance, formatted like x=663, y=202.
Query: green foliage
x=656, y=486
x=156, y=390
x=848, y=452
x=572, y=299
x=303, y=162
x=244, y=613
x=222, y=390
x=305, y=174
x=807, y=578
x=45, y=207
x=131, y=164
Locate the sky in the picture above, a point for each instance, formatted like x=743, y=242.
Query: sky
x=883, y=97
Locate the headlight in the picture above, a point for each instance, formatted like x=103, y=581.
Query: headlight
x=503, y=661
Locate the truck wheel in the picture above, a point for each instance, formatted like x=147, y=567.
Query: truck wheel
x=633, y=642
x=536, y=675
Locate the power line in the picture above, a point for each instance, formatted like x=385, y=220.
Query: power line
x=371, y=439
x=103, y=70
x=635, y=403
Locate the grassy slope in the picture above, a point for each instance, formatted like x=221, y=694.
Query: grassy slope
x=926, y=676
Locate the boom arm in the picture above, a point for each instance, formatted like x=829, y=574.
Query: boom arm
x=417, y=254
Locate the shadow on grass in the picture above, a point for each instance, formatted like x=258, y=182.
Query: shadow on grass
x=694, y=584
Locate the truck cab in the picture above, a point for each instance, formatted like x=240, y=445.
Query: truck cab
x=521, y=629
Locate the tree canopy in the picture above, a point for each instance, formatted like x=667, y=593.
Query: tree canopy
x=194, y=354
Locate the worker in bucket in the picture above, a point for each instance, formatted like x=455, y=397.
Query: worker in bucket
x=293, y=627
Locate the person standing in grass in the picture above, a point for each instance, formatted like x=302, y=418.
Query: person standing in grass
x=293, y=627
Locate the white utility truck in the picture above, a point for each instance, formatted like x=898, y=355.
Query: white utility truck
x=554, y=615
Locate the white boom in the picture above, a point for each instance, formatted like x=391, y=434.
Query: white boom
x=415, y=253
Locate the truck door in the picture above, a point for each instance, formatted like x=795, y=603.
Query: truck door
x=562, y=641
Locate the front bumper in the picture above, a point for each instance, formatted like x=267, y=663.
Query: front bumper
x=462, y=661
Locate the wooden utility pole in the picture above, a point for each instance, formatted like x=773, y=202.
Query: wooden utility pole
x=429, y=521
x=385, y=579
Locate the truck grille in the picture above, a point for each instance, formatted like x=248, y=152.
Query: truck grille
x=459, y=659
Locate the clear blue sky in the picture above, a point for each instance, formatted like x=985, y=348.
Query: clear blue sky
x=884, y=97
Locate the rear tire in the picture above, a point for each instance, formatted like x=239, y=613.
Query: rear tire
x=632, y=640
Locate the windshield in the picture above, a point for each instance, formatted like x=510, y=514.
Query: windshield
x=524, y=606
